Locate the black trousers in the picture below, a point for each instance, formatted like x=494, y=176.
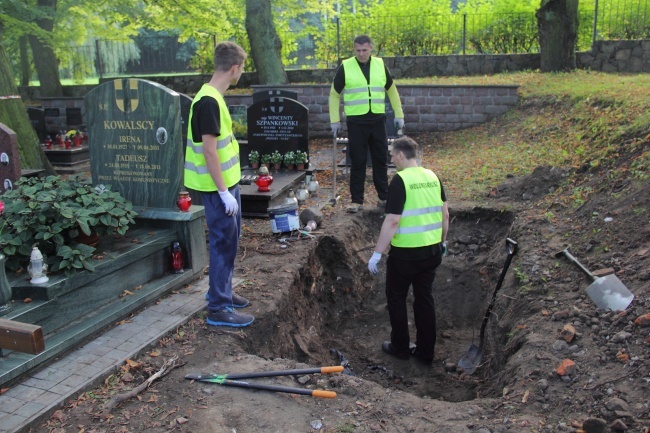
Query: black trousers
x=400, y=275
x=363, y=137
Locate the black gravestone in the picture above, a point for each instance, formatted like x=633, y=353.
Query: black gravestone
x=276, y=124
x=73, y=117
x=37, y=119
x=267, y=94
x=51, y=112
x=135, y=140
x=10, y=170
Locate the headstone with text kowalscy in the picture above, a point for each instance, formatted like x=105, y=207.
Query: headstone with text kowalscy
x=135, y=143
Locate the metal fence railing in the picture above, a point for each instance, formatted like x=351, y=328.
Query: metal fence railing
x=460, y=33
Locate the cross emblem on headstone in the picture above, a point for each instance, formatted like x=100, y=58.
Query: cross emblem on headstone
x=276, y=104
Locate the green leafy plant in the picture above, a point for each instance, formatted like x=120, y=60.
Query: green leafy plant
x=289, y=157
x=254, y=156
x=266, y=159
x=239, y=130
x=53, y=212
x=276, y=157
x=301, y=157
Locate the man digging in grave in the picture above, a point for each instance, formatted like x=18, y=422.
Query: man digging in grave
x=416, y=225
x=212, y=167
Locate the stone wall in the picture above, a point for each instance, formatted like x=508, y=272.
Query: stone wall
x=426, y=108
x=617, y=56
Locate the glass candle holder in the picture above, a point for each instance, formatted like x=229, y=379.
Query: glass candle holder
x=184, y=201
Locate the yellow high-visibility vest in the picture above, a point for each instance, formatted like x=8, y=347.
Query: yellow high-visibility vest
x=359, y=96
x=197, y=176
x=421, y=221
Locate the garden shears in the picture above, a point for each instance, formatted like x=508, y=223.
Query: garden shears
x=233, y=380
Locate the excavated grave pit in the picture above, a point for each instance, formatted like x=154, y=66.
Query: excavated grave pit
x=335, y=309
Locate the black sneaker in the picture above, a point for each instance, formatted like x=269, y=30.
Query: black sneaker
x=418, y=356
x=229, y=317
x=237, y=301
x=388, y=348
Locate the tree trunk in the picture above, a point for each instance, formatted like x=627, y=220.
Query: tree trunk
x=45, y=61
x=14, y=115
x=265, y=42
x=25, y=70
x=557, y=25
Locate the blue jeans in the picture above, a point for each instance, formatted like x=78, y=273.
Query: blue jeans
x=223, y=236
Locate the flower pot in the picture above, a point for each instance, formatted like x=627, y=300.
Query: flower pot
x=255, y=165
x=291, y=166
x=90, y=240
x=5, y=288
x=277, y=165
x=300, y=166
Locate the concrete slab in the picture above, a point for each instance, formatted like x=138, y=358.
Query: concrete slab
x=34, y=399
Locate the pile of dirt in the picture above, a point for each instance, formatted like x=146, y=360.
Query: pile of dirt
x=552, y=360
x=542, y=181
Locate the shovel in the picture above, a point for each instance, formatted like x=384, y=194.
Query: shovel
x=608, y=292
x=470, y=361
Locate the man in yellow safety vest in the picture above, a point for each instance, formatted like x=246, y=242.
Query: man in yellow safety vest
x=415, y=226
x=212, y=167
x=364, y=82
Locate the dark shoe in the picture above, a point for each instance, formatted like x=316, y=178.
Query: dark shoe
x=354, y=207
x=388, y=348
x=239, y=301
x=229, y=317
x=418, y=356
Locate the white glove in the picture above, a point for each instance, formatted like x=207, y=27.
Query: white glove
x=372, y=264
x=335, y=128
x=399, y=123
x=444, y=249
x=229, y=202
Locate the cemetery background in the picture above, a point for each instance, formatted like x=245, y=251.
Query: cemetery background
x=306, y=303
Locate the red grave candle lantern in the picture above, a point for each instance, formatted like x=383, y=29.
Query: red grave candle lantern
x=177, y=259
x=264, y=180
x=184, y=201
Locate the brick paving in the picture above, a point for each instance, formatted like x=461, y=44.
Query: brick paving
x=38, y=395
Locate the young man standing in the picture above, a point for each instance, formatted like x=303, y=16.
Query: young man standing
x=212, y=167
x=416, y=225
x=365, y=81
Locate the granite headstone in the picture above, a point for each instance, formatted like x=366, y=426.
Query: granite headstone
x=260, y=95
x=186, y=105
x=37, y=119
x=135, y=140
x=10, y=170
x=276, y=124
x=73, y=117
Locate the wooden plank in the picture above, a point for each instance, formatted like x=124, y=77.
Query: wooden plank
x=21, y=337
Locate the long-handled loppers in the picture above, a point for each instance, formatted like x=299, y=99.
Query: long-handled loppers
x=232, y=380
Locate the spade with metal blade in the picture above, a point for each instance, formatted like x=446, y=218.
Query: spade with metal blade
x=470, y=360
x=608, y=292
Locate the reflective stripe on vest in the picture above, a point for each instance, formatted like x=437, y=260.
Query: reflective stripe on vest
x=197, y=175
x=421, y=221
x=359, y=96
